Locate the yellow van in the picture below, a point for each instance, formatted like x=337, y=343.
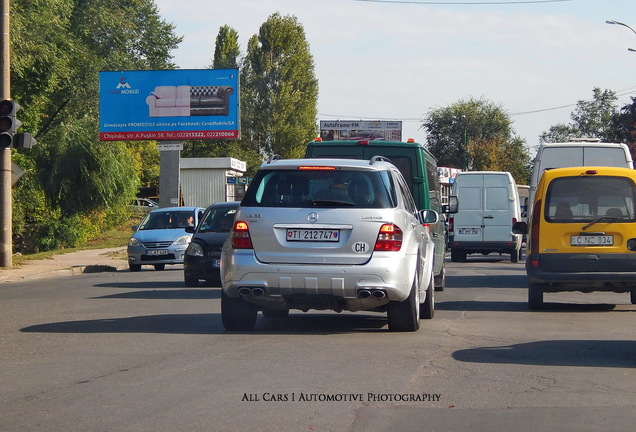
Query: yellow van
x=582, y=232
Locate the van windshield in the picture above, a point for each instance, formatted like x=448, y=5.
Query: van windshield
x=590, y=199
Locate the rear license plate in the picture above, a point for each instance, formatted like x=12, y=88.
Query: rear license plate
x=313, y=235
x=592, y=240
x=468, y=231
x=157, y=252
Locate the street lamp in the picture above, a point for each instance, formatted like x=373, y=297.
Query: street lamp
x=624, y=25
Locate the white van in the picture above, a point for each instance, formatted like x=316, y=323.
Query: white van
x=577, y=152
x=488, y=207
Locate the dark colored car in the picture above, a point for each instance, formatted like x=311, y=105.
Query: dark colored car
x=204, y=251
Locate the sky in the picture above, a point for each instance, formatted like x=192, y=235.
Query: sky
x=398, y=60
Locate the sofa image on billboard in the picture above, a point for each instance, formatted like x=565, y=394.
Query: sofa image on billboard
x=185, y=101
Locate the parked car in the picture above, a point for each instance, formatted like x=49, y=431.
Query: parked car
x=582, y=233
x=328, y=234
x=203, y=255
x=143, y=204
x=161, y=237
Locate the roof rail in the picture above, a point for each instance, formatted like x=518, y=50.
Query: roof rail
x=584, y=139
x=379, y=158
x=274, y=157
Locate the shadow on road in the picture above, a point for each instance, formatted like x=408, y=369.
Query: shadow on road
x=491, y=281
x=181, y=294
x=211, y=324
x=502, y=306
x=589, y=353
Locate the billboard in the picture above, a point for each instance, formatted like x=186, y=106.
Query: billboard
x=169, y=104
x=361, y=130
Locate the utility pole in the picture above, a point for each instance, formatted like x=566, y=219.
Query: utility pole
x=6, y=242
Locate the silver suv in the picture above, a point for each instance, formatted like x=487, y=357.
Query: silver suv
x=335, y=234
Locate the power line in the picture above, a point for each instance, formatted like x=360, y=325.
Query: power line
x=624, y=92
x=449, y=3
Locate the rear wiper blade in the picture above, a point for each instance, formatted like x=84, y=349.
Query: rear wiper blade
x=326, y=202
x=601, y=218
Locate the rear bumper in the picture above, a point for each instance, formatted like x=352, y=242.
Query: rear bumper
x=281, y=281
x=583, y=271
x=485, y=247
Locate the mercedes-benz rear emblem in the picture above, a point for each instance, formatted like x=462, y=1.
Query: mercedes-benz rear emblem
x=312, y=217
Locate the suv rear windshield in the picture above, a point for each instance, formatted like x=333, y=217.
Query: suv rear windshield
x=321, y=188
x=586, y=198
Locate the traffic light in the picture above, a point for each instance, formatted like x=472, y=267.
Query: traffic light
x=8, y=122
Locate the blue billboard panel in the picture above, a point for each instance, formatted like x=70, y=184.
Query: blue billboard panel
x=169, y=104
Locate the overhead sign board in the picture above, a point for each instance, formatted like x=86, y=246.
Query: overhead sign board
x=360, y=129
x=170, y=146
x=169, y=104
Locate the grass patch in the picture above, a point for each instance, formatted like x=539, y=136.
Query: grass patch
x=117, y=237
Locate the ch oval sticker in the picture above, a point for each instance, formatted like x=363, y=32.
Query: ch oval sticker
x=360, y=247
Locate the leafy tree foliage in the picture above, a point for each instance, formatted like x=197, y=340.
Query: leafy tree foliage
x=78, y=184
x=476, y=134
x=627, y=120
x=227, y=50
x=279, y=93
x=280, y=89
x=596, y=118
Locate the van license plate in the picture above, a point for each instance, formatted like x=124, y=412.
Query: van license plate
x=468, y=231
x=313, y=235
x=592, y=240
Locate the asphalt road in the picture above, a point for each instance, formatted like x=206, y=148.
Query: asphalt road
x=121, y=351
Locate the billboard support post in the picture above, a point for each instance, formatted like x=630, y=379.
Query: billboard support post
x=169, y=170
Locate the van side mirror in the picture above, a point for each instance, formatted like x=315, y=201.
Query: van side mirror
x=189, y=229
x=520, y=228
x=452, y=206
x=428, y=217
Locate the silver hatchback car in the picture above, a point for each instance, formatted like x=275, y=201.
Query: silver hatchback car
x=328, y=234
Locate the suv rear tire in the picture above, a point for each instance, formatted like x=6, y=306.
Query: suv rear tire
x=404, y=316
x=237, y=314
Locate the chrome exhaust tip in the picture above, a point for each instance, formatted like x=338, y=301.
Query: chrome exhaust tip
x=378, y=294
x=364, y=294
x=245, y=291
x=258, y=291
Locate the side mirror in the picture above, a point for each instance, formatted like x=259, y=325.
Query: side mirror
x=452, y=206
x=134, y=227
x=428, y=217
x=189, y=229
x=520, y=228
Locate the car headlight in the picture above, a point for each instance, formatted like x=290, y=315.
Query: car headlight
x=194, y=249
x=183, y=240
x=134, y=242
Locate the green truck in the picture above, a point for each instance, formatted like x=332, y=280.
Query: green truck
x=419, y=168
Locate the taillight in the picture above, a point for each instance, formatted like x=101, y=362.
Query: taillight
x=534, y=227
x=389, y=238
x=451, y=224
x=241, y=236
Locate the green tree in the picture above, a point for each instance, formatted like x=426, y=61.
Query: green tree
x=58, y=48
x=596, y=118
x=476, y=134
x=627, y=119
x=227, y=55
x=227, y=50
x=280, y=88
